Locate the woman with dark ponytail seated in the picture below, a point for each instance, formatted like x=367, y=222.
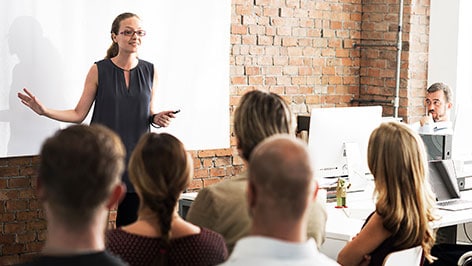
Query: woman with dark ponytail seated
x=160, y=170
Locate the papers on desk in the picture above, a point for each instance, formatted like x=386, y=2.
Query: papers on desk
x=189, y=196
x=326, y=182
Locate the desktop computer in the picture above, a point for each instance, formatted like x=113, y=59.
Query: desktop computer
x=438, y=147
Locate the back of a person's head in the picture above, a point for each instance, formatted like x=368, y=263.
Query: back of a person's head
x=260, y=115
x=79, y=166
x=160, y=169
x=440, y=86
x=281, y=172
x=397, y=159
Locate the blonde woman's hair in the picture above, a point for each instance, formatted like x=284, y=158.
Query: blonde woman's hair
x=260, y=115
x=405, y=201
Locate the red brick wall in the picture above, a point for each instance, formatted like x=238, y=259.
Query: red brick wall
x=300, y=49
x=22, y=223
x=378, y=63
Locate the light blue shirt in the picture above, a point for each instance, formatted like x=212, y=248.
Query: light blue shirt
x=258, y=251
x=441, y=128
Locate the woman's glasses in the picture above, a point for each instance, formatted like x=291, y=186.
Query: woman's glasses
x=130, y=33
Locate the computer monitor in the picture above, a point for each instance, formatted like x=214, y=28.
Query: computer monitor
x=442, y=177
x=338, y=140
x=438, y=146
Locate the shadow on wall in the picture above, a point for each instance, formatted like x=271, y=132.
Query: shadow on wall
x=39, y=69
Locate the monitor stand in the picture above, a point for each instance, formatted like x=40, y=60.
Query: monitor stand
x=356, y=171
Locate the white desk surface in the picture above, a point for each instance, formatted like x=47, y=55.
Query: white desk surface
x=344, y=224
x=448, y=218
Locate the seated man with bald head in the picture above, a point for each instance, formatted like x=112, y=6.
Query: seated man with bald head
x=281, y=188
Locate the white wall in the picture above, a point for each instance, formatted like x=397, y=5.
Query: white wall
x=450, y=61
x=49, y=46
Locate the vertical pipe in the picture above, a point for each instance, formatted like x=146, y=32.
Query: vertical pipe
x=396, y=103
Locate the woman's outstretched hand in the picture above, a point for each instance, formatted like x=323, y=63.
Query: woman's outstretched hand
x=32, y=102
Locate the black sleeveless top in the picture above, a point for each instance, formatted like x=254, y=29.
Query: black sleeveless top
x=124, y=110
x=387, y=247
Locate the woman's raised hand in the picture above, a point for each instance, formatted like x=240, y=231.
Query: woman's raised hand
x=31, y=101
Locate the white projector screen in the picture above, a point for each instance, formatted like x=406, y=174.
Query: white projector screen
x=48, y=47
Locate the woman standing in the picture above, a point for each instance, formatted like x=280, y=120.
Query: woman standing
x=123, y=88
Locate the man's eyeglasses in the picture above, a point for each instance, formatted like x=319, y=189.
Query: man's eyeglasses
x=129, y=33
x=434, y=102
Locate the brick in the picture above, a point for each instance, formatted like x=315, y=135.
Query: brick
x=238, y=29
x=211, y=181
x=42, y=235
x=10, y=259
x=27, y=193
x=238, y=80
x=206, y=153
x=288, y=41
x=222, y=161
x=27, y=215
x=34, y=204
x=201, y=173
x=3, y=183
x=29, y=171
x=252, y=70
x=6, y=238
x=7, y=217
x=36, y=225
x=19, y=183
x=207, y=163
x=34, y=246
x=256, y=80
x=26, y=237
x=17, y=227
x=197, y=163
x=224, y=152
x=16, y=205
x=195, y=184
x=9, y=171
x=217, y=172
x=12, y=249
x=22, y=161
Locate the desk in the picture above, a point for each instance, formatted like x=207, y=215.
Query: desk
x=344, y=224
x=185, y=201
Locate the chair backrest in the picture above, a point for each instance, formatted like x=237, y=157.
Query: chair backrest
x=465, y=259
x=406, y=257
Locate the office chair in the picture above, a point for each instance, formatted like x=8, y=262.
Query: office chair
x=406, y=257
x=465, y=259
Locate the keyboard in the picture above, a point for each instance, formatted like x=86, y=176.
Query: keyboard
x=455, y=204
